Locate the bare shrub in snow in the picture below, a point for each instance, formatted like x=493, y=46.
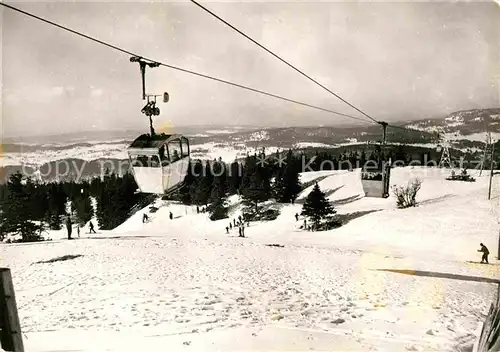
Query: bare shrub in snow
x=406, y=195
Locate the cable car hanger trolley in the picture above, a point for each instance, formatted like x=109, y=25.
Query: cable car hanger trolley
x=159, y=162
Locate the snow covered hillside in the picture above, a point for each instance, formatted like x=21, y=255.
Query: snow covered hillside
x=184, y=284
x=465, y=125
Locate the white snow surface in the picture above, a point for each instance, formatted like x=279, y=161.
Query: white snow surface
x=228, y=151
x=184, y=284
x=87, y=153
x=478, y=137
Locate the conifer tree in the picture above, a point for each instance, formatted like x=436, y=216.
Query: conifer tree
x=255, y=185
x=202, y=187
x=353, y=159
x=96, y=185
x=115, y=200
x=219, y=178
x=218, y=197
x=18, y=210
x=104, y=202
x=317, y=207
x=234, y=177
x=279, y=186
x=197, y=172
x=400, y=155
x=82, y=206
x=363, y=159
x=185, y=195
x=108, y=203
x=287, y=185
x=57, y=206
x=38, y=204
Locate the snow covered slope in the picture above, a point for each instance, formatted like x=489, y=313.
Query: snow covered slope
x=184, y=284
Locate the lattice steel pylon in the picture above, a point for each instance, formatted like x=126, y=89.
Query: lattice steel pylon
x=445, y=157
x=445, y=160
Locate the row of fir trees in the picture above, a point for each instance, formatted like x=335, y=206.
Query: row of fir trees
x=28, y=208
x=256, y=179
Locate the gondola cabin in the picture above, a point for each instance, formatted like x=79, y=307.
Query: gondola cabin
x=375, y=181
x=160, y=162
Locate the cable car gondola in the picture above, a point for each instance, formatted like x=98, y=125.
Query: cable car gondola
x=159, y=162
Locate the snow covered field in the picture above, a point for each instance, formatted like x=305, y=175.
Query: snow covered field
x=184, y=284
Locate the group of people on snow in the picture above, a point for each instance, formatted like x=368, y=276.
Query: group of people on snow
x=304, y=226
x=238, y=223
x=234, y=223
x=145, y=217
x=202, y=210
x=69, y=227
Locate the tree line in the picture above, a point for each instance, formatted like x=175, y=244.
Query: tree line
x=28, y=208
x=256, y=179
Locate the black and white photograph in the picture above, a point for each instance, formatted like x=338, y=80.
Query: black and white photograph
x=250, y=175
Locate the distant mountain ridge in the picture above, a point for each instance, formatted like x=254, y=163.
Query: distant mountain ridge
x=463, y=123
x=464, y=129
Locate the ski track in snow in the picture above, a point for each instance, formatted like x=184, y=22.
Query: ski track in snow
x=197, y=285
x=188, y=276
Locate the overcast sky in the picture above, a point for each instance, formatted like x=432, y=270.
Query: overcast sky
x=395, y=61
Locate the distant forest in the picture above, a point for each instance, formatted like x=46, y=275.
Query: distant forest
x=77, y=169
x=30, y=207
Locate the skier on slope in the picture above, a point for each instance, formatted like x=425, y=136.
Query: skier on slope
x=485, y=251
x=91, y=227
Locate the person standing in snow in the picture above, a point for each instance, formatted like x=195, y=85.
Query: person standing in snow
x=296, y=217
x=69, y=226
x=230, y=225
x=227, y=229
x=145, y=218
x=485, y=251
x=171, y=216
x=78, y=229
